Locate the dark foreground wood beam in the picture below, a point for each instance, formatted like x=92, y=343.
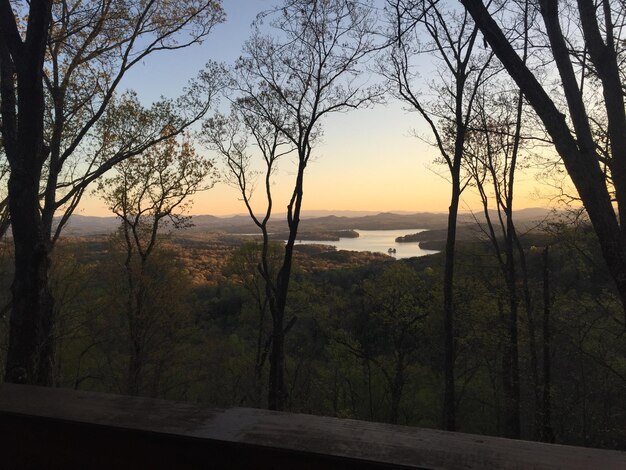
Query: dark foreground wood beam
x=56, y=428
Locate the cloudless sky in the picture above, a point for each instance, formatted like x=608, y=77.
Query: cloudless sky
x=369, y=159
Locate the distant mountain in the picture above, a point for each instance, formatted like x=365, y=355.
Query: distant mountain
x=80, y=225
x=341, y=213
x=90, y=225
x=524, y=218
x=308, y=214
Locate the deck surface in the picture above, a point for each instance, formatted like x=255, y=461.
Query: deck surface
x=57, y=428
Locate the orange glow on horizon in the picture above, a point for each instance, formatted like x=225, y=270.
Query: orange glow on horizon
x=368, y=161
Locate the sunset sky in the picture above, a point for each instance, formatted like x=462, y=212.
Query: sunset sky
x=369, y=160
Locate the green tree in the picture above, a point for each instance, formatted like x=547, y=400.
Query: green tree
x=391, y=332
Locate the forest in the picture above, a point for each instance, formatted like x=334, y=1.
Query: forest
x=515, y=328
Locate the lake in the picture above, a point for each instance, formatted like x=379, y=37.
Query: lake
x=378, y=241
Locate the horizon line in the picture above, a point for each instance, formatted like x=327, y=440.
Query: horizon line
x=334, y=212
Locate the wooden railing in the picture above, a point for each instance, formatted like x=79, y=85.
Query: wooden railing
x=57, y=428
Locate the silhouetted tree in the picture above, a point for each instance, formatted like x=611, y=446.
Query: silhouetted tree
x=448, y=35
x=591, y=142
x=59, y=75
x=287, y=84
x=493, y=148
x=149, y=192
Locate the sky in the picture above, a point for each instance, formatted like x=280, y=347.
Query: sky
x=369, y=160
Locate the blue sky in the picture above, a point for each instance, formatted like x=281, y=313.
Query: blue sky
x=369, y=159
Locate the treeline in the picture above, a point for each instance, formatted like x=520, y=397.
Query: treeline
x=362, y=342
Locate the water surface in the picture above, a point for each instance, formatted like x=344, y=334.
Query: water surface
x=378, y=241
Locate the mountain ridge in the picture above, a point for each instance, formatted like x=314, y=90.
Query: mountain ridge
x=80, y=225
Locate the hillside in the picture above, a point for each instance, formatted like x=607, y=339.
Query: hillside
x=80, y=225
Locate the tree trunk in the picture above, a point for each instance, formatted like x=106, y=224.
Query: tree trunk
x=511, y=373
x=30, y=356
x=532, y=340
x=547, y=433
x=278, y=302
x=449, y=396
x=277, y=390
x=578, y=154
x=513, y=398
x=135, y=366
x=396, y=391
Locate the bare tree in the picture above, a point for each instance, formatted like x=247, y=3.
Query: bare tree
x=148, y=193
x=595, y=161
x=288, y=83
x=59, y=80
x=492, y=161
x=229, y=137
x=449, y=36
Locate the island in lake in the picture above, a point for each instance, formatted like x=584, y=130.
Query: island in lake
x=321, y=235
x=436, y=239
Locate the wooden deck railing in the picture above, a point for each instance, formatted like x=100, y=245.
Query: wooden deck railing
x=56, y=428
